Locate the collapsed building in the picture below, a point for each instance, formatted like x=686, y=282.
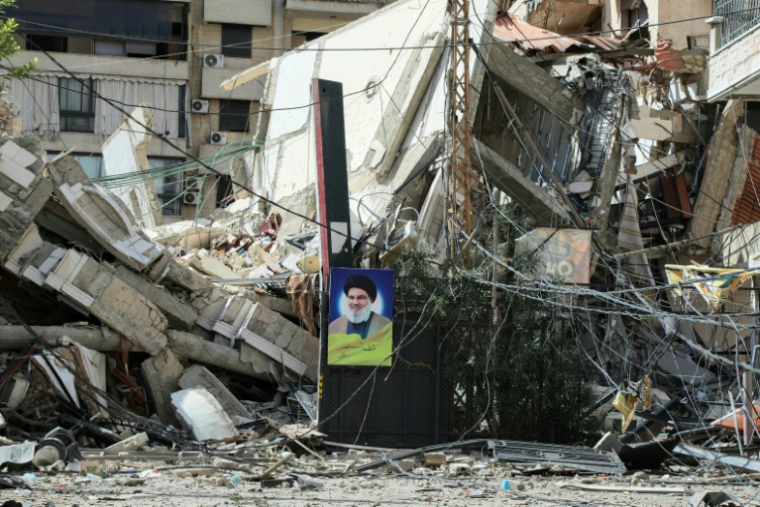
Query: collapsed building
x=607, y=146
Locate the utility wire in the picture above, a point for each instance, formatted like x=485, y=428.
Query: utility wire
x=391, y=48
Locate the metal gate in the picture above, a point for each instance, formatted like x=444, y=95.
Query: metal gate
x=410, y=404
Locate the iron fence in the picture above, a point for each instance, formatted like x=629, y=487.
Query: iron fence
x=739, y=17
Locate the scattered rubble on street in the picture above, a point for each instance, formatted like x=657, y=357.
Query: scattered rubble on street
x=180, y=363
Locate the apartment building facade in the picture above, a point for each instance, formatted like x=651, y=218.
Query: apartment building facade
x=172, y=55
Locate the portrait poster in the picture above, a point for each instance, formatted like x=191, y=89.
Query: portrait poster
x=361, y=317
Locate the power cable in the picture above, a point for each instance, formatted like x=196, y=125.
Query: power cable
x=236, y=182
x=208, y=167
x=403, y=47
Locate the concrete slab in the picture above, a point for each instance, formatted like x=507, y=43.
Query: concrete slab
x=124, y=153
x=104, y=216
x=508, y=178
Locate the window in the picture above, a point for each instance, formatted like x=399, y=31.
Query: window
x=636, y=13
x=752, y=115
x=224, y=191
x=50, y=43
x=140, y=49
x=76, y=105
x=110, y=48
x=92, y=165
x=168, y=188
x=233, y=115
x=299, y=38
x=236, y=41
x=182, y=113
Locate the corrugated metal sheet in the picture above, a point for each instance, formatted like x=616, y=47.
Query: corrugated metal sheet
x=607, y=43
x=747, y=206
x=509, y=28
x=667, y=57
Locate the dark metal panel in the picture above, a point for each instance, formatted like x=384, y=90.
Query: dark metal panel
x=582, y=458
x=403, y=406
x=115, y=18
x=332, y=175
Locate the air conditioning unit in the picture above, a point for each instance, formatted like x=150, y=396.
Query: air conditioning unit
x=401, y=238
x=215, y=61
x=199, y=106
x=193, y=184
x=219, y=138
x=191, y=198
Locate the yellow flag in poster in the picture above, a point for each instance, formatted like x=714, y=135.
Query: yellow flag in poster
x=716, y=285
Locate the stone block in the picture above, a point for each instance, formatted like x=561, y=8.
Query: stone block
x=161, y=374
x=122, y=308
x=179, y=315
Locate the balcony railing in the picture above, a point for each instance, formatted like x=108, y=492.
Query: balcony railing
x=739, y=17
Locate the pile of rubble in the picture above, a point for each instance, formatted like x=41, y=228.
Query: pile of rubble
x=172, y=346
x=315, y=470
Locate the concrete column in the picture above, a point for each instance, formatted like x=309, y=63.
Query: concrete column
x=716, y=32
x=279, y=26
x=162, y=373
x=612, y=15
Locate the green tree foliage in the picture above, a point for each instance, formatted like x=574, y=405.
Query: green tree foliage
x=519, y=377
x=8, y=46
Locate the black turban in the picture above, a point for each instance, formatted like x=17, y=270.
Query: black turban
x=362, y=282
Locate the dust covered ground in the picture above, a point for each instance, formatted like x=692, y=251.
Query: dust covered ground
x=197, y=486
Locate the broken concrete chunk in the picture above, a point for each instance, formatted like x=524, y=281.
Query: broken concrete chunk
x=434, y=459
x=269, y=333
x=103, y=215
x=180, y=315
x=161, y=373
x=18, y=215
x=712, y=499
x=124, y=153
x=203, y=415
x=129, y=444
x=167, y=269
x=213, y=267
x=460, y=468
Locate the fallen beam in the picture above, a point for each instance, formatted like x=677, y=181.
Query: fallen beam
x=508, y=178
x=100, y=339
x=182, y=344
x=529, y=79
x=622, y=489
x=700, y=453
x=659, y=165
x=206, y=352
x=245, y=76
